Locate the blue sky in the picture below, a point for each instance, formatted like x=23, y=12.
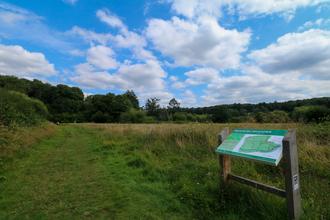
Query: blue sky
x=200, y=52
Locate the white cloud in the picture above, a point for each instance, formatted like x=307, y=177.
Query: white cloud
x=77, y=53
x=214, y=8
x=306, y=54
x=112, y=20
x=72, y=2
x=139, y=77
x=14, y=60
x=144, y=77
x=189, y=98
x=100, y=56
x=174, y=78
x=18, y=23
x=190, y=44
x=318, y=22
x=11, y=18
x=319, y=9
x=198, y=76
x=127, y=39
x=257, y=86
x=87, y=94
x=164, y=97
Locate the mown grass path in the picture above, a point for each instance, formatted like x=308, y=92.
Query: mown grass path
x=63, y=179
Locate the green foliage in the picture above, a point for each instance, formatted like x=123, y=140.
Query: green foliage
x=99, y=117
x=120, y=104
x=152, y=107
x=133, y=98
x=18, y=108
x=132, y=116
x=191, y=117
x=310, y=113
x=173, y=106
x=221, y=114
x=316, y=113
x=178, y=116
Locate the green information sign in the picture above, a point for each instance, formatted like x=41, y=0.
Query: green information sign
x=264, y=146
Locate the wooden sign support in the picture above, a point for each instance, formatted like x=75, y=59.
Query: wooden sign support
x=291, y=170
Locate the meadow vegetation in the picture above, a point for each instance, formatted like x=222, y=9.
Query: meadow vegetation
x=158, y=171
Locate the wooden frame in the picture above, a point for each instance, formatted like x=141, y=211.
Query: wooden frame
x=291, y=170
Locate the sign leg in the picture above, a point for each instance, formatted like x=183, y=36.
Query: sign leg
x=224, y=161
x=291, y=169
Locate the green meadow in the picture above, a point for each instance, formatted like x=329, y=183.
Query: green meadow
x=154, y=171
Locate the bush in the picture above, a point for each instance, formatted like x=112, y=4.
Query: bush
x=132, y=116
x=99, y=117
x=278, y=116
x=316, y=113
x=310, y=113
x=178, y=116
x=191, y=117
x=149, y=120
x=16, y=107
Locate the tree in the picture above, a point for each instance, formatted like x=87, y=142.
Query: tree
x=134, y=100
x=152, y=107
x=221, y=114
x=173, y=106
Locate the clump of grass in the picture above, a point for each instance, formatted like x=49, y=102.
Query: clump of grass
x=16, y=142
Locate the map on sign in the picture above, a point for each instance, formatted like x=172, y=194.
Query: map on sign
x=263, y=146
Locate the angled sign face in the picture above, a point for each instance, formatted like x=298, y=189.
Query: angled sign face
x=264, y=146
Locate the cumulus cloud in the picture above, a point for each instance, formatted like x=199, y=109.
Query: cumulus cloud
x=100, y=56
x=126, y=39
x=164, y=97
x=140, y=77
x=206, y=43
x=174, y=78
x=196, y=8
x=189, y=98
x=196, y=77
x=15, y=60
x=257, y=86
x=306, y=54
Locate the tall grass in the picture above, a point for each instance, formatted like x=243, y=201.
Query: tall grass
x=16, y=142
x=182, y=158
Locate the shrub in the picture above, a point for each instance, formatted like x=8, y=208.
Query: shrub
x=16, y=107
x=178, y=116
x=132, y=116
x=310, y=113
x=191, y=117
x=99, y=117
x=316, y=113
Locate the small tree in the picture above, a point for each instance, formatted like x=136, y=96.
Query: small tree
x=173, y=106
x=152, y=107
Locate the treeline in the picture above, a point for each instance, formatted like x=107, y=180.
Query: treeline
x=67, y=104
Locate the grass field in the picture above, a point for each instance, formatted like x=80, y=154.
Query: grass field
x=159, y=171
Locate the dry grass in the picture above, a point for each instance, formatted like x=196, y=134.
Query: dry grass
x=23, y=137
x=307, y=143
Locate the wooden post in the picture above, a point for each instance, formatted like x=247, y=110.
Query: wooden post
x=291, y=169
x=225, y=167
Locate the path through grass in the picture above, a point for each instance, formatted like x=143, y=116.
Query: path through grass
x=92, y=171
x=64, y=179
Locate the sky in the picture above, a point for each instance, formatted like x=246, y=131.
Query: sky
x=201, y=53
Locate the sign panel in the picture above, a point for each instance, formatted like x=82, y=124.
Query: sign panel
x=263, y=146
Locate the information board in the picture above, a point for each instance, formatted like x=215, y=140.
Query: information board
x=264, y=146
